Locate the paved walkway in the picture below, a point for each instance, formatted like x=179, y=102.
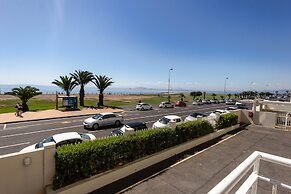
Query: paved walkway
x=50, y=114
x=201, y=173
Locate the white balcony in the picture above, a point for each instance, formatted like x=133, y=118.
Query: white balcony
x=250, y=184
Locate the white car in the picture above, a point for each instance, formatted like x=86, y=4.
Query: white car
x=198, y=102
x=62, y=139
x=143, y=106
x=103, y=119
x=165, y=121
x=195, y=116
x=166, y=105
x=220, y=111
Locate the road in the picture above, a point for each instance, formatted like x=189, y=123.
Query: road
x=14, y=137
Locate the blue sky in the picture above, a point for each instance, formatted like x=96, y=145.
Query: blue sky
x=137, y=42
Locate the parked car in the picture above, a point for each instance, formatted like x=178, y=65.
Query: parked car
x=132, y=126
x=195, y=116
x=198, y=102
x=103, y=119
x=204, y=101
x=220, y=111
x=213, y=101
x=165, y=120
x=143, y=106
x=207, y=102
x=238, y=105
x=230, y=102
x=221, y=101
x=166, y=105
x=180, y=104
x=62, y=139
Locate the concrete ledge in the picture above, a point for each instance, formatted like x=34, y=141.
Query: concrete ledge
x=102, y=179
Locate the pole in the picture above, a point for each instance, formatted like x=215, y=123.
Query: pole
x=225, y=85
x=169, y=84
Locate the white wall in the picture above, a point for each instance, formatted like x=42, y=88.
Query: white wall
x=30, y=178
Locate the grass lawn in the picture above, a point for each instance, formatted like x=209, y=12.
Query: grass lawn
x=7, y=105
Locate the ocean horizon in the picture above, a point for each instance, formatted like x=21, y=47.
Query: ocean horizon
x=110, y=90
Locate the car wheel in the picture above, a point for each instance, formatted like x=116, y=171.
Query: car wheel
x=142, y=109
x=117, y=123
x=95, y=126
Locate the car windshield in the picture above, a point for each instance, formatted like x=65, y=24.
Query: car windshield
x=164, y=120
x=116, y=132
x=47, y=140
x=97, y=116
x=123, y=128
x=196, y=114
x=84, y=136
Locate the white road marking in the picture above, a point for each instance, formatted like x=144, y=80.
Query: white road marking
x=4, y=126
x=41, y=131
x=56, y=129
x=14, y=145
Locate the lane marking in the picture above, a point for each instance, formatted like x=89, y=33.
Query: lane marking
x=14, y=145
x=66, y=122
x=179, y=112
x=4, y=126
x=41, y=131
x=177, y=163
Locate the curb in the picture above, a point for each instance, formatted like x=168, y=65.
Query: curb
x=51, y=118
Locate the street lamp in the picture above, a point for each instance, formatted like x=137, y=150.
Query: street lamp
x=225, y=84
x=169, y=84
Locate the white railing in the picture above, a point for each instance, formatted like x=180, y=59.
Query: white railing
x=284, y=119
x=250, y=185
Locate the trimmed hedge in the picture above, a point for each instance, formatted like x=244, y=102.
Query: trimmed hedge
x=76, y=162
x=227, y=120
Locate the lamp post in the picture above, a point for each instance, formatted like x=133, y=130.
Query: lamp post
x=169, y=84
x=225, y=84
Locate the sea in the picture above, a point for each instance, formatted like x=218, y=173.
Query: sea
x=109, y=90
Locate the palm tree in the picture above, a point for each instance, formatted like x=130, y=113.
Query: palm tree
x=24, y=94
x=182, y=96
x=66, y=83
x=213, y=95
x=82, y=78
x=101, y=82
x=229, y=95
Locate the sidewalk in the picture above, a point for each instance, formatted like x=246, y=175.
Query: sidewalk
x=51, y=114
x=200, y=173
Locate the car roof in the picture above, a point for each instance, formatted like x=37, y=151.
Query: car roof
x=135, y=124
x=66, y=136
x=106, y=113
x=172, y=117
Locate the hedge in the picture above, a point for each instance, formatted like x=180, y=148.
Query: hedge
x=76, y=162
x=227, y=120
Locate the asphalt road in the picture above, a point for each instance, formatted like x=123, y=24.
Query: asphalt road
x=14, y=137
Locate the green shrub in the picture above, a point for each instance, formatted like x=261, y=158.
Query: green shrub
x=227, y=120
x=76, y=162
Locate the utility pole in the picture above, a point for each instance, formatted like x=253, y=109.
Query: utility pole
x=169, y=81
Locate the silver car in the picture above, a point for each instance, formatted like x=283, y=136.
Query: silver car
x=143, y=106
x=103, y=119
x=166, y=105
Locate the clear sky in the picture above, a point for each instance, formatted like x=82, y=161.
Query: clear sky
x=137, y=42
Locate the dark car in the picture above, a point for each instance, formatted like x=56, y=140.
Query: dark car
x=135, y=126
x=180, y=104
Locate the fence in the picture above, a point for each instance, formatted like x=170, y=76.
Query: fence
x=284, y=120
x=250, y=185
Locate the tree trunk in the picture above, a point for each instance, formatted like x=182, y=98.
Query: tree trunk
x=101, y=99
x=82, y=95
x=24, y=107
